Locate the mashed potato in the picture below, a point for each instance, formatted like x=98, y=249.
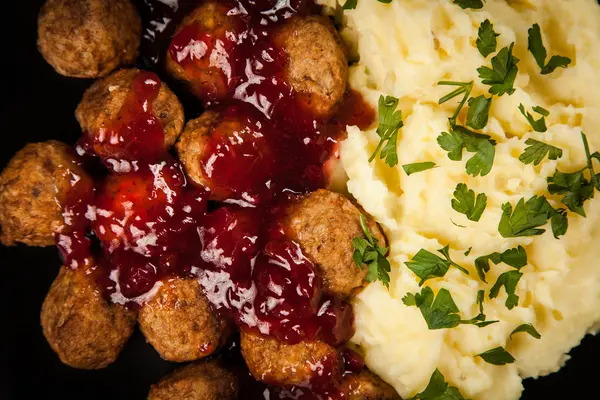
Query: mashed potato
x=405, y=48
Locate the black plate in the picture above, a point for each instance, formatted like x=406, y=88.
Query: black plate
x=37, y=105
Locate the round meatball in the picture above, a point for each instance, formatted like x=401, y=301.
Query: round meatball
x=274, y=362
x=88, y=38
x=207, y=380
x=85, y=330
x=215, y=147
x=31, y=189
x=317, y=66
x=324, y=224
x=367, y=386
x=114, y=100
x=179, y=323
x=205, y=35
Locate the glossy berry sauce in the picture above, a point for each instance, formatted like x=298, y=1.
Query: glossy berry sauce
x=267, y=149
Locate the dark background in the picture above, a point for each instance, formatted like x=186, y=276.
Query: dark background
x=37, y=104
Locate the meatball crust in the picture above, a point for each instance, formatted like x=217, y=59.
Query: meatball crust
x=206, y=380
x=179, y=323
x=31, y=186
x=85, y=330
x=88, y=38
x=367, y=386
x=317, y=66
x=324, y=224
x=103, y=100
x=274, y=362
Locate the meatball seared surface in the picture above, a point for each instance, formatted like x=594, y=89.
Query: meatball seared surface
x=317, y=66
x=84, y=329
x=367, y=386
x=274, y=362
x=30, y=186
x=179, y=323
x=197, y=381
x=324, y=224
x=88, y=38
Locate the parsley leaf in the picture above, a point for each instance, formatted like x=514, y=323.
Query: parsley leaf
x=474, y=4
x=441, y=313
x=463, y=88
x=537, y=125
x=509, y=280
x=368, y=252
x=526, y=218
x=536, y=151
x=350, y=4
x=479, y=110
x=417, y=167
x=438, y=389
x=427, y=265
x=536, y=47
x=486, y=38
x=497, y=356
x=390, y=121
x=479, y=320
x=465, y=203
x=516, y=258
x=482, y=145
x=527, y=328
x=501, y=77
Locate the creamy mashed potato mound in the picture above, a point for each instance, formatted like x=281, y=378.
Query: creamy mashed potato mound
x=404, y=49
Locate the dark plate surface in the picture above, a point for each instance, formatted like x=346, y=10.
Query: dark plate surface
x=38, y=105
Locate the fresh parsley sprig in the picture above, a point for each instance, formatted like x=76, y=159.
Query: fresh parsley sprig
x=536, y=151
x=483, y=146
x=516, y=258
x=497, y=356
x=509, y=281
x=501, y=77
x=390, y=121
x=527, y=218
x=438, y=389
x=417, y=167
x=538, y=125
x=527, y=328
x=367, y=251
x=479, y=111
x=474, y=4
x=486, y=38
x=427, y=265
x=464, y=202
x=464, y=89
x=536, y=47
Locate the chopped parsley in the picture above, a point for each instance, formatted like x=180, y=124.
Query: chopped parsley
x=486, y=38
x=527, y=328
x=516, y=258
x=479, y=110
x=390, y=121
x=463, y=88
x=527, y=218
x=501, y=77
x=427, y=265
x=368, y=252
x=497, y=356
x=464, y=202
x=538, y=125
x=350, y=4
x=509, y=281
x=474, y=4
x=536, y=47
x=417, y=167
x=536, y=151
x=438, y=389
x=460, y=138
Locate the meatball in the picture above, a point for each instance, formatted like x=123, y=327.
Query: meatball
x=32, y=186
x=88, y=38
x=84, y=329
x=324, y=224
x=116, y=104
x=179, y=323
x=275, y=362
x=202, y=48
x=367, y=386
x=317, y=66
x=206, y=380
x=215, y=147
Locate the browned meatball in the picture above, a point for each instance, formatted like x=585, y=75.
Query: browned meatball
x=317, y=65
x=84, y=329
x=205, y=34
x=31, y=189
x=206, y=380
x=274, y=362
x=88, y=38
x=102, y=105
x=179, y=323
x=324, y=224
x=367, y=386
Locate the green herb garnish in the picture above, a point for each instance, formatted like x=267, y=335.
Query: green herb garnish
x=479, y=110
x=486, y=38
x=417, y=167
x=527, y=328
x=536, y=151
x=368, y=252
x=390, y=121
x=464, y=202
x=474, y=4
x=460, y=138
x=536, y=47
x=538, y=125
x=516, y=258
x=427, y=265
x=463, y=88
x=509, y=281
x=497, y=356
x=501, y=77
x=438, y=389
